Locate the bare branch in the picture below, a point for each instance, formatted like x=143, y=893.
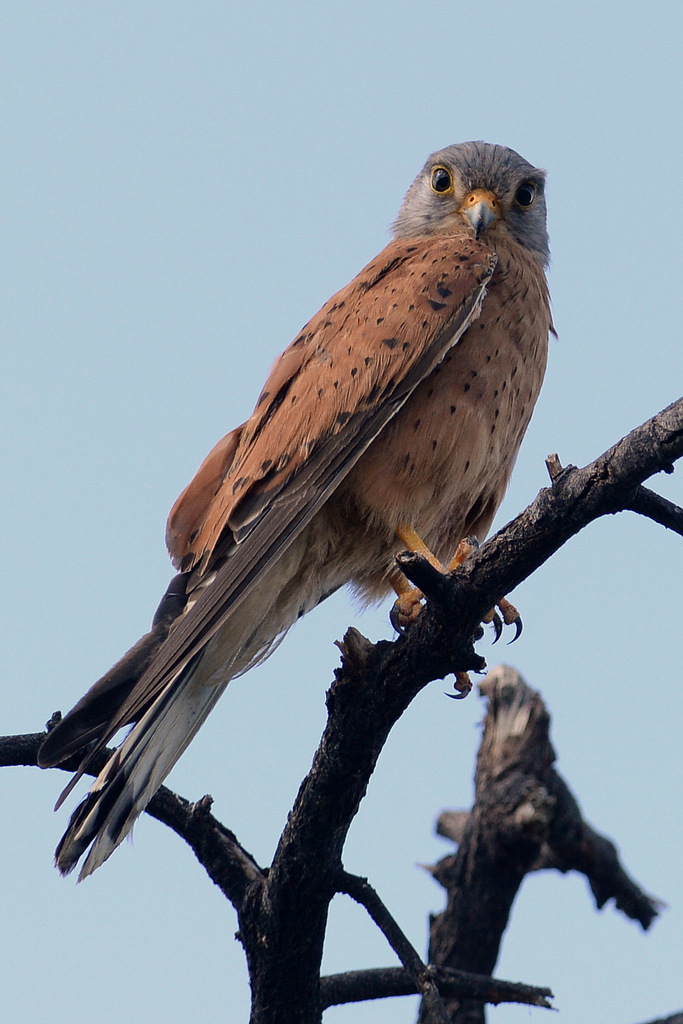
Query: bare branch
x=385, y=982
x=677, y=1018
x=362, y=892
x=646, y=503
x=524, y=818
x=572, y=845
x=372, y=689
x=227, y=863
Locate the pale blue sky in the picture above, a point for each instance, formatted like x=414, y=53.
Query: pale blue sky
x=183, y=186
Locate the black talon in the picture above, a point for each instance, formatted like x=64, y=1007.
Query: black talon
x=497, y=624
x=393, y=619
x=517, y=623
x=463, y=689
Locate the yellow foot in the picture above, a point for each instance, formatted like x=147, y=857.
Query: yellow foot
x=408, y=604
x=406, y=607
x=510, y=616
x=464, y=549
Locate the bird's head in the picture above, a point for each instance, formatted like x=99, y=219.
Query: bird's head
x=480, y=190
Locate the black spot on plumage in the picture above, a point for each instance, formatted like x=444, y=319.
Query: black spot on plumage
x=467, y=387
x=436, y=305
x=343, y=417
x=391, y=343
x=265, y=466
x=443, y=290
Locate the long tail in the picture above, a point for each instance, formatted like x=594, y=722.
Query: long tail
x=140, y=764
x=135, y=771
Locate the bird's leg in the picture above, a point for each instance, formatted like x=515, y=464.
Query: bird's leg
x=464, y=549
x=408, y=604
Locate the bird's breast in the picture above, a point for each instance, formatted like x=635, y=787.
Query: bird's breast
x=443, y=464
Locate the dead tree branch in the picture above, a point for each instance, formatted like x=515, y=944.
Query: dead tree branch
x=524, y=818
x=387, y=982
x=283, y=912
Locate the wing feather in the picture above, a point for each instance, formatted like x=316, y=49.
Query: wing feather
x=326, y=399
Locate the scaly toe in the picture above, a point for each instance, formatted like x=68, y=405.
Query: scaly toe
x=406, y=609
x=511, y=617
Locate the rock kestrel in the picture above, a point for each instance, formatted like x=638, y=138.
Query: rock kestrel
x=393, y=420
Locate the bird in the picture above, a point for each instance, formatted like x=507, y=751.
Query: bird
x=391, y=422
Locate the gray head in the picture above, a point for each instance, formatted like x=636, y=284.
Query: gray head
x=480, y=190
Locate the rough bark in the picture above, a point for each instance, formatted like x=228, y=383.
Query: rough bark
x=524, y=818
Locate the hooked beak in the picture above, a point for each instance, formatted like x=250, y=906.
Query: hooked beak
x=480, y=208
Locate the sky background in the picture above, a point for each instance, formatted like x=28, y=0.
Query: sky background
x=183, y=185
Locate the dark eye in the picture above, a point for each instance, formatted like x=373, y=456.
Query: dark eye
x=442, y=180
x=525, y=194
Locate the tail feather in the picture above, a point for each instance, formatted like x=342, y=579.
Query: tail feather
x=135, y=771
x=140, y=764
